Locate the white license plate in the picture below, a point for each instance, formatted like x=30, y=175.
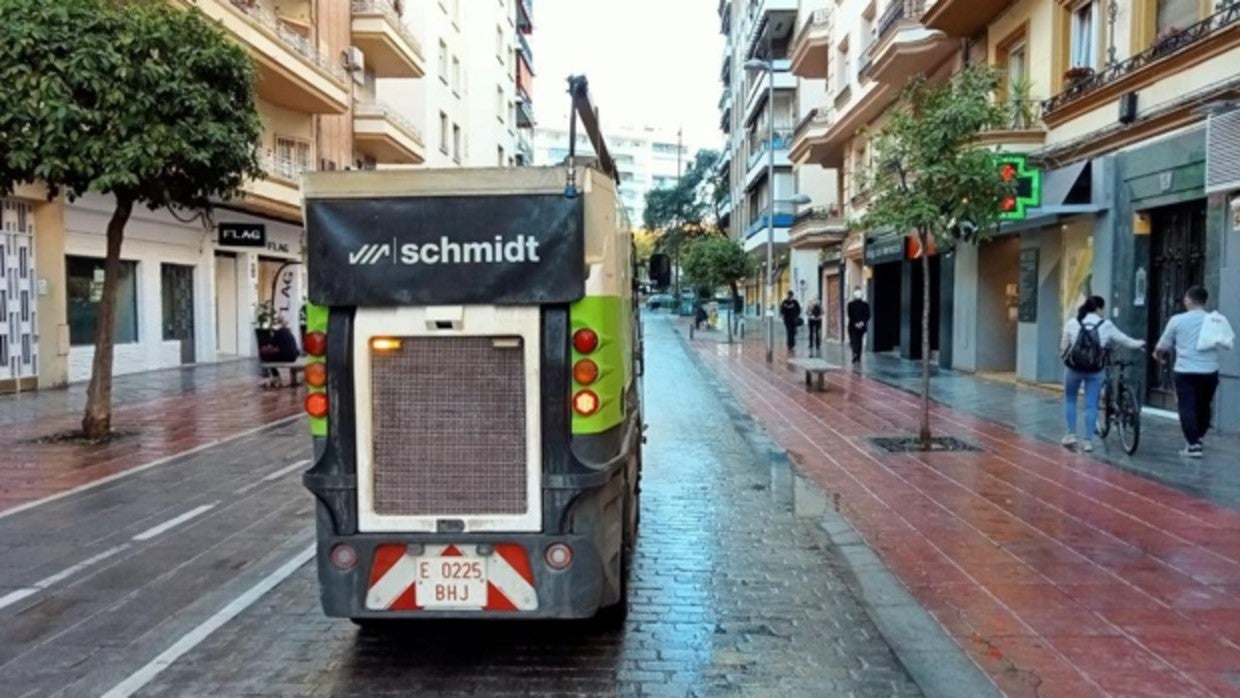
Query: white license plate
x=452, y=582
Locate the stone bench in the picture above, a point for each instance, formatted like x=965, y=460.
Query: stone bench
x=293, y=368
x=814, y=368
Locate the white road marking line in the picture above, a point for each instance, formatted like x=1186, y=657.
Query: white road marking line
x=273, y=476
x=174, y=522
x=132, y=471
x=15, y=596
x=190, y=640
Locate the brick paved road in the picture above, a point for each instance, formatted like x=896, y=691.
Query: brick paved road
x=736, y=589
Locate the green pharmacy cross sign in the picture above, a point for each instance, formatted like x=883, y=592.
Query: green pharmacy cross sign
x=1028, y=194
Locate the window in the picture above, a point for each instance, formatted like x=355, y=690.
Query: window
x=501, y=104
x=292, y=157
x=456, y=76
x=84, y=288
x=443, y=133
x=1016, y=67
x=1177, y=14
x=1083, y=49
x=456, y=143
x=499, y=154
x=443, y=62
x=499, y=44
x=843, y=71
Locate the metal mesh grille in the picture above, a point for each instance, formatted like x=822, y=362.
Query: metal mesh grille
x=449, y=427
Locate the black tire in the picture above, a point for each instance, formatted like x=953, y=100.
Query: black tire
x=1103, y=427
x=1129, y=422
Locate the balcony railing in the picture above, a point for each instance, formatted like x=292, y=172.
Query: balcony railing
x=525, y=48
x=784, y=216
x=817, y=19
x=320, y=57
x=283, y=167
x=818, y=213
x=758, y=142
x=383, y=110
x=816, y=117
x=1227, y=15
x=393, y=17
x=891, y=16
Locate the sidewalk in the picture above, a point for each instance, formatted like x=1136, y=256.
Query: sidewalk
x=167, y=412
x=1059, y=574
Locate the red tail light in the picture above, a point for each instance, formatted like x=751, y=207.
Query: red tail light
x=316, y=344
x=585, y=340
x=585, y=403
x=316, y=405
x=585, y=372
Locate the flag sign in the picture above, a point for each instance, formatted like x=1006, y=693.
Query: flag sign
x=1015, y=168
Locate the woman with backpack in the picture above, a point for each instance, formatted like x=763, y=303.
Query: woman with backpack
x=1086, y=340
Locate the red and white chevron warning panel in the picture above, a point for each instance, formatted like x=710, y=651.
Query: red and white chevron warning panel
x=451, y=577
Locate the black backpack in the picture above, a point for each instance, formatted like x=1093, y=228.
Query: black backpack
x=1087, y=353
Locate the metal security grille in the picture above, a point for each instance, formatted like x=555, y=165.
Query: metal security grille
x=19, y=322
x=449, y=427
x=1222, y=144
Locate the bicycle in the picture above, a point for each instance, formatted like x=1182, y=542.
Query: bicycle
x=1118, y=407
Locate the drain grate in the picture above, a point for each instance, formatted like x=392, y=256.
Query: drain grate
x=912, y=444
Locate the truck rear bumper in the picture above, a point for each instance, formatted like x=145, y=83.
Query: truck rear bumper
x=379, y=586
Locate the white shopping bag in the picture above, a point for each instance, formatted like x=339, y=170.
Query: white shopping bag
x=1216, y=333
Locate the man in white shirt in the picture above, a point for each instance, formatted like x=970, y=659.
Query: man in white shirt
x=1195, y=370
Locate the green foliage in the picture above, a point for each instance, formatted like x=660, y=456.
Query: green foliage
x=685, y=210
x=716, y=261
x=930, y=177
x=138, y=99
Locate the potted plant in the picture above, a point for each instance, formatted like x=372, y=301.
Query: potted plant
x=1078, y=73
x=1166, y=41
x=1020, y=104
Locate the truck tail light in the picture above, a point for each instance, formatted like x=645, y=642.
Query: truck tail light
x=316, y=344
x=316, y=375
x=559, y=556
x=585, y=372
x=585, y=340
x=585, y=403
x=316, y=405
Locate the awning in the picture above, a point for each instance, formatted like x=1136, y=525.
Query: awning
x=1058, y=189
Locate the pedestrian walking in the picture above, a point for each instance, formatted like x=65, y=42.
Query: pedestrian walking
x=1086, y=340
x=1196, y=338
x=858, y=323
x=815, y=328
x=790, y=310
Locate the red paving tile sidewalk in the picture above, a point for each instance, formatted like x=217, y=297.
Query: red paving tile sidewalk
x=1059, y=575
x=160, y=428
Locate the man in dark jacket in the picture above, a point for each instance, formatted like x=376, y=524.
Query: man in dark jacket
x=858, y=323
x=790, y=309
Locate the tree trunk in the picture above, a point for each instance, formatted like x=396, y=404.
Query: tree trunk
x=924, y=432
x=731, y=308
x=97, y=420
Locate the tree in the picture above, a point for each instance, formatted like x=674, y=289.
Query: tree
x=682, y=212
x=139, y=100
x=931, y=178
x=718, y=261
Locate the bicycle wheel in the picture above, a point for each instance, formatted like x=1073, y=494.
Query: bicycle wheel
x=1103, y=427
x=1129, y=422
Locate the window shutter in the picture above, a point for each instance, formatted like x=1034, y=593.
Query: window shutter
x=1223, y=152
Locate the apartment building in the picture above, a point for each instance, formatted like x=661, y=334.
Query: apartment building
x=190, y=287
x=647, y=158
x=474, y=103
x=760, y=101
x=1126, y=116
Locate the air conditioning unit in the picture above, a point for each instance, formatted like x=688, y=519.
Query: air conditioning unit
x=354, y=62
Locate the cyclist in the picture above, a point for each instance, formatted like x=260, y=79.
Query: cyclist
x=1086, y=339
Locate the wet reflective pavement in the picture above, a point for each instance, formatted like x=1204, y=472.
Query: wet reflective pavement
x=736, y=589
x=1059, y=574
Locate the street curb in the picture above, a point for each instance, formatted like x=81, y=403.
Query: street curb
x=935, y=662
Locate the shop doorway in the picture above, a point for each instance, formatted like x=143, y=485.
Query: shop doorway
x=226, y=304
x=1177, y=261
x=998, y=269
x=177, y=294
x=19, y=360
x=833, y=305
x=885, y=307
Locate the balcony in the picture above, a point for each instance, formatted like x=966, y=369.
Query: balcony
x=725, y=99
x=811, y=50
x=725, y=17
x=525, y=148
x=963, y=19
x=525, y=17
x=759, y=152
x=1022, y=133
x=391, y=50
x=279, y=194
x=823, y=138
x=385, y=136
x=755, y=234
x=811, y=129
x=756, y=94
x=903, y=48
x=771, y=20
x=818, y=227
x=1210, y=38
x=293, y=72
x=525, y=114
x=526, y=51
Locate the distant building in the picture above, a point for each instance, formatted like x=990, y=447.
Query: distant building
x=646, y=157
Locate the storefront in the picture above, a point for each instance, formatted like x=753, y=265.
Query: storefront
x=832, y=293
x=258, y=261
x=884, y=257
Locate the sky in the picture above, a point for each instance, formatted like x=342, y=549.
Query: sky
x=649, y=62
